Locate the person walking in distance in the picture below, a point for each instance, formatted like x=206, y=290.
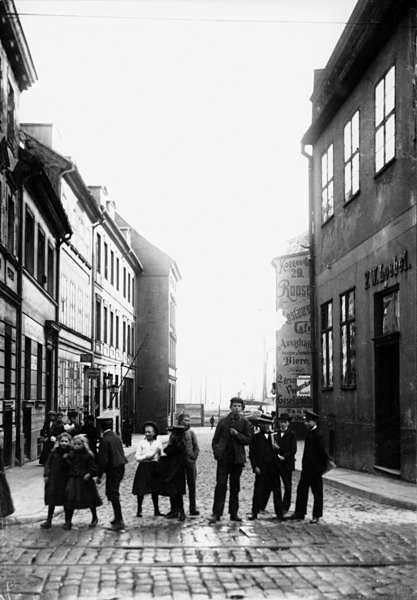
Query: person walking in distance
x=232, y=434
x=111, y=461
x=286, y=448
x=212, y=421
x=192, y=451
x=313, y=466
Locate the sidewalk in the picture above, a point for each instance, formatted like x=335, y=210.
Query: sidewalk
x=27, y=487
x=392, y=492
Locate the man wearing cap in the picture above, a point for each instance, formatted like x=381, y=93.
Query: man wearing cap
x=313, y=466
x=266, y=466
x=286, y=449
x=111, y=461
x=73, y=427
x=52, y=428
x=192, y=451
x=232, y=434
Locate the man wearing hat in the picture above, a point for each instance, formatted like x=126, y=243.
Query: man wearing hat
x=232, y=434
x=266, y=466
x=52, y=428
x=73, y=428
x=314, y=464
x=286, y=448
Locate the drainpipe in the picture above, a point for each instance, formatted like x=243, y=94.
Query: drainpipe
x=57, y=290
x=93, y=308
x=314, y=366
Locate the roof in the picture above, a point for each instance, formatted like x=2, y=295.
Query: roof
x=367, y=31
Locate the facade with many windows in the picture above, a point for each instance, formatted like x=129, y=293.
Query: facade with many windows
x=362, y=152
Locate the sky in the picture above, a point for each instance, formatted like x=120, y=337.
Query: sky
x=190, y=113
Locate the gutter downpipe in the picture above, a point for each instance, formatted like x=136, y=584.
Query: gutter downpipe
x=312, y=270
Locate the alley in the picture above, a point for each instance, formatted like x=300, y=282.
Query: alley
x=361, y=549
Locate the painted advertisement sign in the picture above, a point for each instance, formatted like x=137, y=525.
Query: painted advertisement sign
x=294, y=334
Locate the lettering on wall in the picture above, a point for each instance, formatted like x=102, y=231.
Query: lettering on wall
x=382, y=273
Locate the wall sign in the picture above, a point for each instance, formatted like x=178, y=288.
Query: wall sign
x=382, y=273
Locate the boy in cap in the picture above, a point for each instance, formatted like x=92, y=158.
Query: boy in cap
x=232, y=434
x=266, y=466
x=192, y=451
x=314, y=464
x=286, y=448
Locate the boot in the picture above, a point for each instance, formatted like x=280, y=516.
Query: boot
x=155, y=500
x=139, y=511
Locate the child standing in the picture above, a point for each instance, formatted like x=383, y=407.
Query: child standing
x=147, y=455
x=55, y=475
x=81, y=490
x=172, y=472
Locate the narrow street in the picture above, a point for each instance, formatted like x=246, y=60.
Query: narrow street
x=360, y=550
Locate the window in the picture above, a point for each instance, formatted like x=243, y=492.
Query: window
x=98, y=253
x=87, y=325
x=41, y=257
x=10, y=112
x=124, y=282
x=385, y=120
x=80, y=310
x=124, y=336
x=28, y=372
x=327, y=197
x=39, y=373
x=351, y=141
x=72, y=306
x=327, y=345
x=133, y=291
x=117, y=274
x=63, y=303
x=106, y=261
x=30, y=243
x=8, y=362
x=51, y=274
x=98, y=319
x=104, y=391
x=133, y=340
x=128, y=287
x=117, y=331
x=388, y=313
x=112, y=267
x=105, y=313
x=347, y=339
x=111, y=328
x=172, y=352
x=11, y=225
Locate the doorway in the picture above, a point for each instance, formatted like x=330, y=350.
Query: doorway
x=387, y=406
x=7, y=444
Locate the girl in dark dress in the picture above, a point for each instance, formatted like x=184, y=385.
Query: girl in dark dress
x=55, y=474
x=6, y=502
x=81, y=490
x=147, y=455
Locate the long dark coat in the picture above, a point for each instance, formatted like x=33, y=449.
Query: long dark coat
x=287, y=443
x=80, y=493
x=172, y=471
x=49, y=429
x=315, y=454
x=56, y=469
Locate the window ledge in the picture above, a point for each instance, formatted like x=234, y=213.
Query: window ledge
x=348, y=388
x=385, y=167
x=327, y=221
x=392, y=472
x=351, y=199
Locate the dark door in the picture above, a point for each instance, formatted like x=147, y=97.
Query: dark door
x=7, y=445
x=49, y=381
x=387, y=405
x=27, y=432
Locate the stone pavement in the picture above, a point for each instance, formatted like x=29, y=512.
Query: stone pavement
x=26, y=484
x=360, y=549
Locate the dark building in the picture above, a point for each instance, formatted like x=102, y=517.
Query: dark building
x=362, y=154
x=156, y=374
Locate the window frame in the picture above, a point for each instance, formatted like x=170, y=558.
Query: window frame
x=327, y=183
x=346, y=321
x=327, y=348
x=387, y=117
x=353, y=158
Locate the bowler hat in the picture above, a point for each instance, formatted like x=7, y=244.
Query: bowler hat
x=284, y=417
x=51, y=412
x=152, y=424
x=311, y=415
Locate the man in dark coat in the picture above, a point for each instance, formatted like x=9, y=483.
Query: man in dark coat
x=90, y=432
x=74, y=428
x=49, y=433
x=232, y=434
x=313, y=466
x=286, y=447
x=111, y=461
x=266, y=466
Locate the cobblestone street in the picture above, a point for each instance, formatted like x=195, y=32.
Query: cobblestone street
x=360, y=549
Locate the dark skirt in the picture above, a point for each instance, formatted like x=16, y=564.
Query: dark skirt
x=6, y=502
x=146, y=479
x=81, y=494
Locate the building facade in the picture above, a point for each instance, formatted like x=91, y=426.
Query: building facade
x=362, y=158
x=116, y=270
x=156, y=333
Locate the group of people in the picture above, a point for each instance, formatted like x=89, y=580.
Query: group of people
x=272, y=455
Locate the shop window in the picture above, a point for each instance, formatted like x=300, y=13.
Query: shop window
x=327, y=345
x=351, y=157
x=327, y=188
x=347, y=339
x=385, y=120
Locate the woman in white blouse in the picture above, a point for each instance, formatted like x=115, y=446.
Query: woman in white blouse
x=146, y=478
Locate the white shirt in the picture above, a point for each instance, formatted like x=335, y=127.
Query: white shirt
x=148, y=451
